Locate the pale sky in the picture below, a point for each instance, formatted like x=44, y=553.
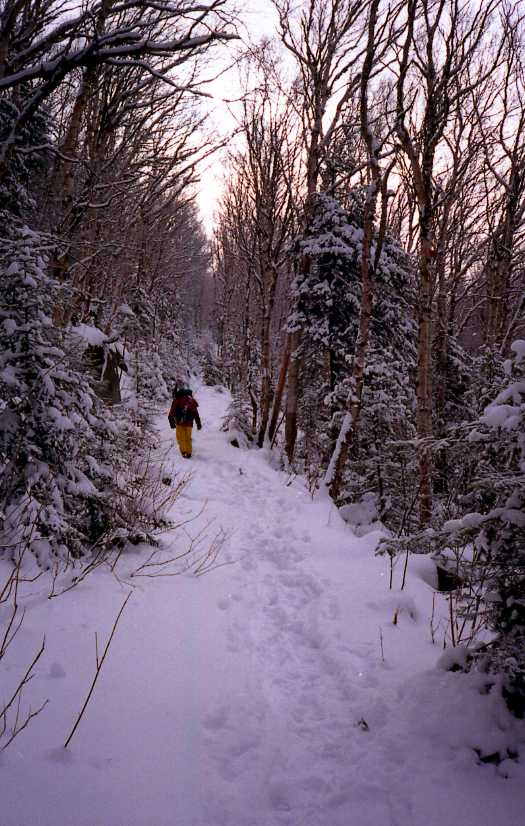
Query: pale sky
x=259, y=20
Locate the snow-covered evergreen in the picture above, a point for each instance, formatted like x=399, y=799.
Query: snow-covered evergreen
x=495, y=526
x=483, y=547
x=55, y=437
x=327, y=311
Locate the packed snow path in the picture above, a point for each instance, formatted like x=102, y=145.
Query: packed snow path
x=273, y=691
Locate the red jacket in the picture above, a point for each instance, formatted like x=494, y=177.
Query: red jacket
x=184, y=411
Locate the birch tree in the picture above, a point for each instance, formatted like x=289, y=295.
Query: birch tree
x=440, y=42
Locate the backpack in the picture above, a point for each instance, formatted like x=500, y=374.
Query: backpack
x=185, y=410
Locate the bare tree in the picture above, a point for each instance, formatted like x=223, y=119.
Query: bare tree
x=40, y=46
x=137, y=150
x=504, y=145
x=441, y=42
x=268, y=166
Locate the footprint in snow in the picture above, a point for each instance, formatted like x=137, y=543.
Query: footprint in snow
x=279, y=797
x=56, y=671
x=333, y=610
x=316, y=784
x=217, y=719
x=226, y=602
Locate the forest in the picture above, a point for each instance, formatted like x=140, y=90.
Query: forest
x=361, y=293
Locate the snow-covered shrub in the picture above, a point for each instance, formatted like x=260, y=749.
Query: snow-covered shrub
x=383, y=461
x=316, y=417
x=500, y=534
x=172, y=362
x=459, y=397
x=487, y=542
x=238, y=422
x=454, y=400
x=102, y=357
x=146, y=375
x=327, y=297
x=149, y=330
x=75, y=472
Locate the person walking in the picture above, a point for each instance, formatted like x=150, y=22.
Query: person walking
x=183, y=412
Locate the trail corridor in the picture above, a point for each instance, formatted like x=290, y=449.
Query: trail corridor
x=273, y=691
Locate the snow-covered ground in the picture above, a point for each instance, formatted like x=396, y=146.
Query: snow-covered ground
x=273, y=691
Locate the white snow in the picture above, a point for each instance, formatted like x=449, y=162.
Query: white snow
x=125, y=309
x=273, y=691
x=496, y=415
x=90, y=334
x=9, y=374
x=518, y=347
x=59, y=420
x=470, y=520
x=9, y=325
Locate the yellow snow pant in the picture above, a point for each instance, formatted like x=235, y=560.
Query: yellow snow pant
x=183, y=433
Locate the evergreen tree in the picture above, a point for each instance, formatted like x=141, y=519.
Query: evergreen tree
x=382, y=469
x=54, y=437
x=496, y=528
x=328, y=301
x=212, y=368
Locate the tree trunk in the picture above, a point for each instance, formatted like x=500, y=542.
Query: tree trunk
x=424, y=377
x=334, y=474
x=498, y=277
x=294, y=371
x=279, y=390
x=266, y=355
x=292, y=396
x=441, y=341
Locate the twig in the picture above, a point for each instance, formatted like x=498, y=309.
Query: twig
x=16, y=697
x=94, y=563
x=405, y=569
x=432, y=630
x=452, y=622
x=391, y=578
x=208, y=561
x=277, y=431
x=25, y=679
x=99, y=668
x=18, y=729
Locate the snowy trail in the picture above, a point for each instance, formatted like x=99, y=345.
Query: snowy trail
x=284, y=738
x=257, y=695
